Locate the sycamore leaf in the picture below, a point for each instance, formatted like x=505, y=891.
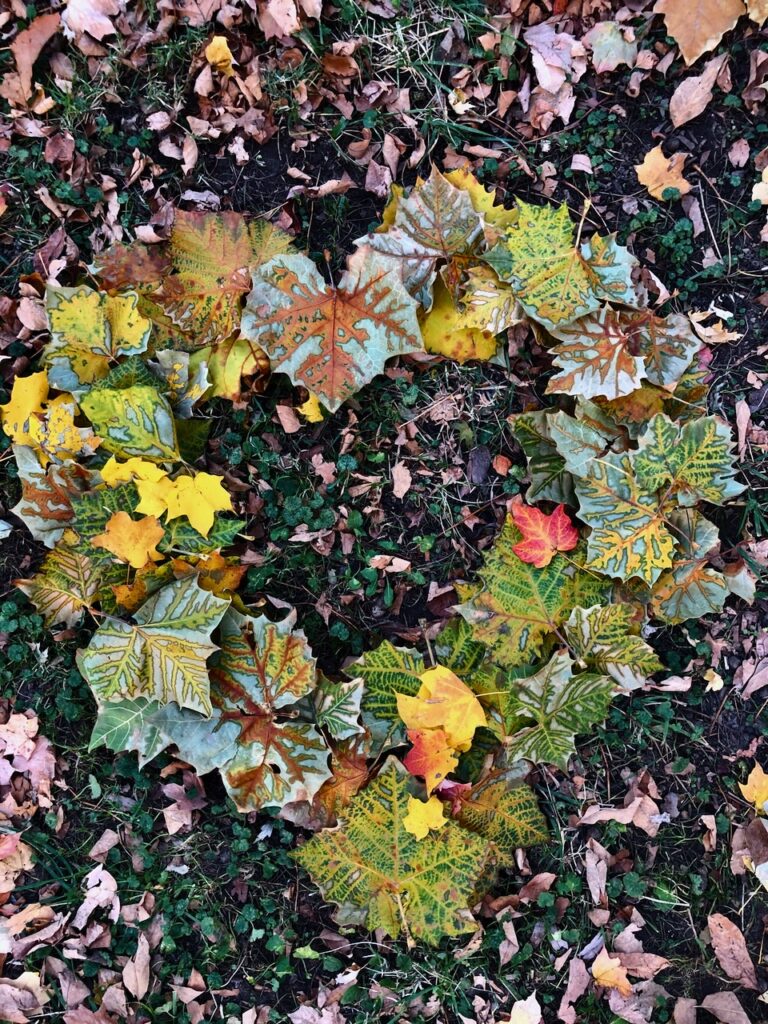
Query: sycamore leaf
x=90, y=330
x=597, y=358
x=333, y=341
x=489, y=304
x=228, y=362
x=349, y=773
x=386, y=671
x=608, y=972
x=383, y=877
x=182, y=538
x=424, y=816
x=134, y=421
x=186, y=379
x=56, y=436
x=690, y=589
x=213, y=255
x=630, y=536
x=220, y=575
x=496, y=219
x=131, y=540
x=694, y=462
x=163, y=655
x=551, y=708
x=444, y=702
x=519, y=606
x=432, y=756
x=114, y=472
x=506, y=816
x=27, y=400
x=197, y=497
x=436, y=223
x=578, y=441
x=92, y=511
x=546, y=466
x=133, y=265
x=337, y=708
x=755, y=789
x=446, y=331
x=554, y=281
x=601, y=639
x=543, y=535
x=65, y=585
x=47, y=495
x=457, y=649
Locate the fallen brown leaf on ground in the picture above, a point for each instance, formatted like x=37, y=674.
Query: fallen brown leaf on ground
x=731, y=950
x=658, y=172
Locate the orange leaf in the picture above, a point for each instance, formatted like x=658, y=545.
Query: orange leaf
x=608, y=972
x=443, y=702
x=543, y=535
x=131, y=540
x=431, y=756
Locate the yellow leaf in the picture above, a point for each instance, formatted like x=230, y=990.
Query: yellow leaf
x=445, y=331
x=131, y=540
x=443, y=702
x=658, y=172
x=311, y=410
x=609, y=973
x=114, y=472
x=497, y=218
x=228, y=362
x=197, y=497
x=27, y=398
x=154, y=496
x=423, y=816
x=219, y=55
x=755, y=789
x=55, y=435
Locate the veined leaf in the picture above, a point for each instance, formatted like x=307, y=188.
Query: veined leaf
x=386, y=671
x=551, y=708
x=181, y=537
x=690, y=589
x=163, y=655
x=65, y=585
x=629, y=533
x=601, y=639
x=331, y=340
x=47, y=495
x=554, y=281
x=577, y=441
x=496, y=218
x=489, y=304
x=92, y=511
x=457, y=649
x=436, y=223
x=598, y=356
x=506, y=816
x=519, y=606
x=693, y=462
x=550, y=480
x=337, y=708
x=228, y=362
x=446, y=331
x=90, y=331
x=135, y=421
x=213, y=255
x=383, y=877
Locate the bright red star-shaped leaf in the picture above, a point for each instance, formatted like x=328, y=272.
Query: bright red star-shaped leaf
x=543, y=535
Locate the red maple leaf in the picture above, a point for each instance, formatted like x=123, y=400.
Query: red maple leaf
x=543, y=535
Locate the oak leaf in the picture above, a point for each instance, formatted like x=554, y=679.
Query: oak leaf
x=543, y=535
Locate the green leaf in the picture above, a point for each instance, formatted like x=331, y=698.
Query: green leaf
x=601, y=638
x=551, y=708
x=135, y=421
x=163, y=655
x=65, y=585
x=693, y=462
x=457, y=649
x=182, y=538
x=337, y=708
x=577, y=441
x=690, y=589
x=546, y=467
x=130, y=373
x=387, y=671
x=507, y=817
x=383, y=877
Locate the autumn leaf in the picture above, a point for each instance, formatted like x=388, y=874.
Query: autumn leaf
x=446, y=331
x=526, y=1011
x=608, y=972
x=27, y=400
x=219, y=55
x=65, y=585
x=755, y=789
x=131, y=540
x=197, y=497
x=697, y=28
x=56, y=436
x=443, y=702
x=227, y=362
x=731, y=950
x=601, y=638
x=47, y=494
x=134, y=421
x=424, y=816
x=333, y=341
x=311, y=410
x=337, y=708
x=432, y=756
x=691, y=588
x=507, y=816
x=659, y=173
x=543, y=535
x=386, y=671
x=381, y=876
x=114, y=472
x=496, y=218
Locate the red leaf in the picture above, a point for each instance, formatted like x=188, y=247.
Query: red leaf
x=543, y=535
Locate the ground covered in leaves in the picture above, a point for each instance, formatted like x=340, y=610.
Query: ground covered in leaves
x=142, y=893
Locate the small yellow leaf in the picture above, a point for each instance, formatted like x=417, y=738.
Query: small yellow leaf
x=609, y=973
x=131, y=540
x=27, y=398
x=55, y=435
x=197, y=497
x=658, y=172
x=114, y=472
x=443, y=702
x=715, y=681
x=219, y=55
x=755, y=789
x=446, y=333
x=311, y=410
x=526, y=1011
x=423, y=816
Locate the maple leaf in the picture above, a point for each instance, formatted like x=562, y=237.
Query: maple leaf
x=446, y=331
x=694, y=462
x=46, y=500
x=444, y=702
x=383, y=877
x=131, y=540
x=543, y=535
x=424, y=816
x=212, y=255
x=553, y=280
x=432, y=756
x=698, y=28
x=333, y=341
x=65, y=585
x=608, y=972
x=196, y=497
x=550, y=708
x=90, y=330
x=601, y=638
x=436, y=223
x=755, y=789
x=659, y=173
x=163, y=655
x=28, y=396
x=133, y=421
x=519, y=605
x=508, y=816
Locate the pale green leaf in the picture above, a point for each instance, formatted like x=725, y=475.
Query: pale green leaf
x=601, y=639
x=135, y=421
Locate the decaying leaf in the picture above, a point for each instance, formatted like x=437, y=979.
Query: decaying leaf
x=698, y=27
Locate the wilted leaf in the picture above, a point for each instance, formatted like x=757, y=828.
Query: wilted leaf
x=219, y=55
x=506, y=816
x=228, y=362
x=446, y=331
x=65, y=585
x=382, y=876
x=55, y=435
x=134, y=421
x=698, y=27
x=601, y=639
x=546, y=467
x=543, y=535
x=731, y=950
x=331, y=340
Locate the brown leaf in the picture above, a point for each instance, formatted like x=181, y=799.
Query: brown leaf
x=28, y=45
x=697, y=26
x=136, y=971
x=725, y=1007
x=693, y=94
x=578, y=983
x=658, y=172
x=401, y=480
x=731, y=950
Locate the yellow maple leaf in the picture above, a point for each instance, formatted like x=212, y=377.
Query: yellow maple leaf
x=446, y=333
x=114, y=472
x=658, y=172
x=423, y=815
x=219, y=55
x=26, y=402
x=311, y=410
x=197, y=497
x=608, y=972
x=55, y=435
x=755, y=789
x=131, y=540
x=443, y=702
